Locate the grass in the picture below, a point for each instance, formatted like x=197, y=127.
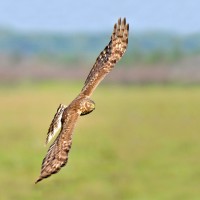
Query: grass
x=139, y=143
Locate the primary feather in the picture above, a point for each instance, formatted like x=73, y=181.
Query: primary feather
x=108, y=57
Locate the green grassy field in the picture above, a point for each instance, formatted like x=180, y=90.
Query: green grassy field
x=140, y=143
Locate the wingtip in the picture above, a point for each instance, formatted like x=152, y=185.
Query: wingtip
x=127, y=27
x=124, y=21
x=119, y=21
x=38, y=180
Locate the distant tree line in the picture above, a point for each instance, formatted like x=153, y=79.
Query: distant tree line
x=149, y=47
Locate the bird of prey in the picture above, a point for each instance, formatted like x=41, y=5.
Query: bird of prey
x=67, y=116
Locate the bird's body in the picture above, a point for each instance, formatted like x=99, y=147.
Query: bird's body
x=67, y=116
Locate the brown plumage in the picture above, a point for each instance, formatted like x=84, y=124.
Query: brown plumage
x=56, y=123
x=57, y=155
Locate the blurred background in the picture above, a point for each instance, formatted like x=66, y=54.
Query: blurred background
x=142, y=140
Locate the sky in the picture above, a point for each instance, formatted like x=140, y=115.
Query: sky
x=179, y=16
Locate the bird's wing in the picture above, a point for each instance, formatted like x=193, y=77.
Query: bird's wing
x=108, y=57
x=56, y=123
x=57, y=154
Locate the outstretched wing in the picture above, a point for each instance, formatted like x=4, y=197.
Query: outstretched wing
x=57, y=155
x=56, y=123
x=108, y=57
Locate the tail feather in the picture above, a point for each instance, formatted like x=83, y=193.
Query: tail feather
x=56, y=123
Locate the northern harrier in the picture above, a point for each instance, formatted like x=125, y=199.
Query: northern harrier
x=66, y=116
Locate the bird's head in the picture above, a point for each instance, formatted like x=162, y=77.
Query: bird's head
x=88, y=106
